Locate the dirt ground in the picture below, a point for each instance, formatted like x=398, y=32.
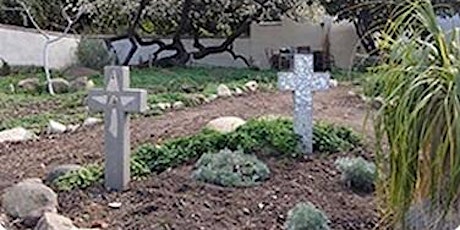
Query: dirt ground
x=172, y=200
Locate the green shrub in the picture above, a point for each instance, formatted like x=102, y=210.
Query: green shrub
x=330, y=138
x=269, y=137
x=230, y=169
x=82, y=178
x=363, y=63
x=93, y=54
x=373, y=86
x=357, y=173
x=277, y=137
x=180, y=150
x=305, y=216
x=5, y=68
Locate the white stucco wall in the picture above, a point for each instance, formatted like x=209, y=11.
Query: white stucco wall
x=19, y=46
x=343, y=39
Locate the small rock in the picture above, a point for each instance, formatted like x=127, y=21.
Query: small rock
x=223, y=91
x=25, y=197
x=60, y=170
x=72, y=128
x=90, y=84
x=178, y=105
x=91, y=121
x=60, y=85
x=238, y=92
x=333, y=83
x=251, y=86
x=31, y=85
x=225, y=124
x=115, y=205
x=212, y=97
x=195, y=99
x=56, y=127
x=54, y=221
x=163, y=106
x=16, y=135
x=246, y=211
x=79, y=84
x=261, y=205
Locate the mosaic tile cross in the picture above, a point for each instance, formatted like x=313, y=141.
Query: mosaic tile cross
x=117, y=100
x=303, y=81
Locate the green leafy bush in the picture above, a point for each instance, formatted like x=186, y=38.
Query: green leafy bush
x=268, y=137
x=93, y=54
x=364, y=62
x=271, y=137
x=305, y=216
x=373, y=86
x=5, y=68
x=331, y=138
x=180, y=150
x=82, y=178
x=357, y=173
x=231, y=169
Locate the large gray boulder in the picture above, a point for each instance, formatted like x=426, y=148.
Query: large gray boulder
x=20, y=200
x=17, y=134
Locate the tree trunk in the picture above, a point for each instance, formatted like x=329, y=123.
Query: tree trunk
x=46, y=66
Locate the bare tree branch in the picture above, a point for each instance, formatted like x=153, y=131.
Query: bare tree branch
x=70, y=23
x=49, y=39
x=32, y=19
x=11, y=9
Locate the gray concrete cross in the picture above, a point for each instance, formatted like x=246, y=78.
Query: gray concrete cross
x=117, y=101
x=303, y=81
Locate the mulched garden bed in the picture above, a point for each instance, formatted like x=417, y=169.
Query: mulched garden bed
x=172, y=200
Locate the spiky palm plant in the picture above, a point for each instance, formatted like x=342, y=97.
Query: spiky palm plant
x=418, y=126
